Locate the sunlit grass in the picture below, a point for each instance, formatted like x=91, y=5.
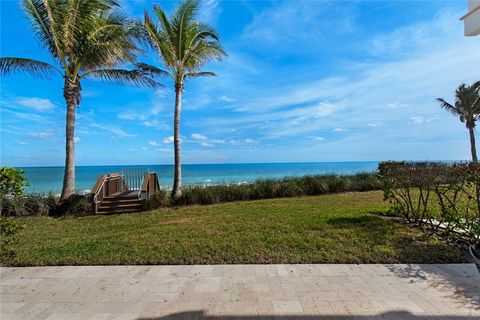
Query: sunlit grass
x=340, y=228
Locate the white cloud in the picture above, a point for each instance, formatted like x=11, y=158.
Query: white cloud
x=226, y=99
x=130, y=115
x=239, y=142
x=209, y=11
x=338, y=129
x=375, y=124
x=279, y=27
x=45, y=134
x=168, y=140
x=118, y=132
x=76, y=139
x=37, y=104
x=153, y=143
x=397, y=105
x=205, y=141
x=153, y=123
x=421, y=119
x=317, y=138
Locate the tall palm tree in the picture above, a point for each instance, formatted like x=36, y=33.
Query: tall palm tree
x=184, y=46
x=467, y=108
x=86, y=39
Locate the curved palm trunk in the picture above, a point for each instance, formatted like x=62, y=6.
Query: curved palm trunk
x=177, y=177
x=71, y=93
x=473, y=149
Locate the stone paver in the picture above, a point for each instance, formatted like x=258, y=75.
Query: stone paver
x=369, y=291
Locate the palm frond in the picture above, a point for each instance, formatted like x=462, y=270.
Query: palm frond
x=200, y=74
x=41, y=25
x=151, y=71
x=37, y=68
x=447, y=106
x=183, y=44
x=123, y=77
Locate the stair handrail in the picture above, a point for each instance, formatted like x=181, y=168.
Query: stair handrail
x=99, y=186
x=150, y=184
x=140, y=187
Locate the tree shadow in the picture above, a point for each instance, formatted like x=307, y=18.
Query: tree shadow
x=401, y=315
x=449, y=280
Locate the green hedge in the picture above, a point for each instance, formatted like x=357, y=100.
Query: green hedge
x=278, y=188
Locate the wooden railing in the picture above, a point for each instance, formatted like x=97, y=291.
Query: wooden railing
x=107, y=185
x=150, y=184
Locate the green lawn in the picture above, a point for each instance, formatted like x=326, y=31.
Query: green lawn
x=338, y=228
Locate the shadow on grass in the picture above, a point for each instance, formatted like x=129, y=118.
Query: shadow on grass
x=400, y=315
x=355, y=222
x=408, y=246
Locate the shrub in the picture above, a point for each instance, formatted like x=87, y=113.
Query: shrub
x=158, y=199
x=276, y=188
x=76, y=205
x=12, y=181
x=443, y=197
x=33, y=204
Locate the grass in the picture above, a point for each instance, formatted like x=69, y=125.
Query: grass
x=339, y=228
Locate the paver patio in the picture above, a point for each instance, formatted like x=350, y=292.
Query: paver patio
x=368, y=291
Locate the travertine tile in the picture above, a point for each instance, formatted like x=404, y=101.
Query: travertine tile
x=259, y=291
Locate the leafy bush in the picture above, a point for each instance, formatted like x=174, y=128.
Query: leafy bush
x=12, y=181
x=444, y=197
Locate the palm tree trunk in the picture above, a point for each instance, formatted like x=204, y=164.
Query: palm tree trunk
x=71, y=93
x=473, y=149
x=177, y=178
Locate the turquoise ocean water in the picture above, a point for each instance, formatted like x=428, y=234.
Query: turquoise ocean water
x=49, y=179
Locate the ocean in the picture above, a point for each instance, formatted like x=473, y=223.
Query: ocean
x=49, y=179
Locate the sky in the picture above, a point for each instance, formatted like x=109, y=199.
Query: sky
x=303, y=81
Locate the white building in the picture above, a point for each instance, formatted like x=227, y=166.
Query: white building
x=472, y=18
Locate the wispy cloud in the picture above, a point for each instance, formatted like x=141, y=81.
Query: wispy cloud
x=421, y=119
x=205, y=141
x=209, y=11
x=226, y=99
x=37, y=104
x=45, y=134
x=117, y=132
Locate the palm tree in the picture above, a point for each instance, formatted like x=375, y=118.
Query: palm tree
x=467, y=108
x=184, y=46
x=87, y=39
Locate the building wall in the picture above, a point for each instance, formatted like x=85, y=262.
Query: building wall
x=472, y=18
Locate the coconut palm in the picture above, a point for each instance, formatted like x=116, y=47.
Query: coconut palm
x=184, y=46
x=467, y=108
x=86, y=39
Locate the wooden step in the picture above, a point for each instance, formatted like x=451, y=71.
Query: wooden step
x=120, y=209
x=121, y=202
x=120, y=205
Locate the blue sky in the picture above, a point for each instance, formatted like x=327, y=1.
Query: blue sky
x=304, y=81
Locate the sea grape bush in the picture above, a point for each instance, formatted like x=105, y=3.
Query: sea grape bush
x=444, y=197
x=12, y=181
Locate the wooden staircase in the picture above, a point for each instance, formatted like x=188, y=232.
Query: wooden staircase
x=124, y=192
x=122, y=203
